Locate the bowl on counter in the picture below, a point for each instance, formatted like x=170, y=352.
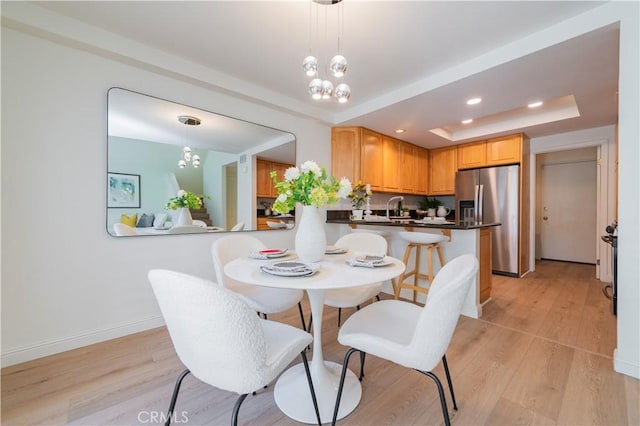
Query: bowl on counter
x=276, y=225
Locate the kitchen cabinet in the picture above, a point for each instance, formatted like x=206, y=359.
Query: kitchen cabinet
x=485, y=264
x=264, y=183
x=413, y=169
x=491, y=152
x=262, y=224
x=371, y=160
x=346, y=145
x=472, y=155
x=442, y=170
x=504, y=150
x=392, y=168
x=386, y=163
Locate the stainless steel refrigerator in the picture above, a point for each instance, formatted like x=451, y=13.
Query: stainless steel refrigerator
x=492, y=195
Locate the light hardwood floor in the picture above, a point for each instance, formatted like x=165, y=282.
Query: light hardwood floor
x=541, y=354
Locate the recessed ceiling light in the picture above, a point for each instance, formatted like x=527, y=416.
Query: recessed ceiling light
x=398, y=131
x=474, y=101
x=467, y=121
x=535, y=104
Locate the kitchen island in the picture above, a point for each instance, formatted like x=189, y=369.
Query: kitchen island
x=464, y=237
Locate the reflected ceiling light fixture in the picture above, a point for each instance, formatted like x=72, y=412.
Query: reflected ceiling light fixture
x=535, y=104
x=319, y=88
x=467, y=121
x=398, y=131
x=474, y=101
x=187, y=156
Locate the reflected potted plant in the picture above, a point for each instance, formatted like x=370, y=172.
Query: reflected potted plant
x=182, y=202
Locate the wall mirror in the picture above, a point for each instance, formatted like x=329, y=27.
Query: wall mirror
x=157, y=147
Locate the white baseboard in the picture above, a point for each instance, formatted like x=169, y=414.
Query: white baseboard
x=625, y=367
x=31, y=352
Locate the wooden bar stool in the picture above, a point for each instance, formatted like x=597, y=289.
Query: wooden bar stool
x=418, y=241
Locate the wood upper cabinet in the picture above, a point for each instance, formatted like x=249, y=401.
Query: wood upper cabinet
x=386, y=163
x=264, y=183
x=413, y=169
x=391, y=164
x=346, y=145
x=504, y=150
x=442, y=170
x=472, y=155
x=371, y=160
x=421, y=170
x=492, y=152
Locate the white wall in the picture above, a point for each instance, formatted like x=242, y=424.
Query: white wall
x=65, y=282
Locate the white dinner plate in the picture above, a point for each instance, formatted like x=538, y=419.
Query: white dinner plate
x=369, y=261
x=334, y=250
x=290, y=269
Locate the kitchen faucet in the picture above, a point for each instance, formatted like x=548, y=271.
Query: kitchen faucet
x=397, y=197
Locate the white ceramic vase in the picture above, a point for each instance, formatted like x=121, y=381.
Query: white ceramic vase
x=357, y=214
x=183, y=217
x=311, y=239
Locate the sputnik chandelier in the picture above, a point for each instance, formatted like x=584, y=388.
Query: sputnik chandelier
x=187, y=157
x=319, y=88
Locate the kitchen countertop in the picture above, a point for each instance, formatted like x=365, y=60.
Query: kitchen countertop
x=413, y=223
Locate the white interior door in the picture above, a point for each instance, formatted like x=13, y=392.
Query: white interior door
x=568, y=212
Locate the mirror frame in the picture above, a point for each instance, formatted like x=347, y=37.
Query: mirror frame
x=132, y=130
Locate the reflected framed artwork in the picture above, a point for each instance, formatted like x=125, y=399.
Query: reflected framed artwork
x=123, y=190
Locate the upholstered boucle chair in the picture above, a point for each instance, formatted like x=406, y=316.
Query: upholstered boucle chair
x=262, y=299
x=221, y=340
x=409, y=335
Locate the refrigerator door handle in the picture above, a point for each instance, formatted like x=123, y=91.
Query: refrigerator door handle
x=475, y=202
x=480, y=203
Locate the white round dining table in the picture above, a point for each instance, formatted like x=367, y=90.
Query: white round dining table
x=291, y=392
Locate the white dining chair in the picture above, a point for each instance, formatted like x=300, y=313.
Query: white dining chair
x=123, y=230
x=198, y=222
x=356, y=243
x=238, y=227
x=409, y=335
x=264, y=300
x=221, y=340
x=186, y=229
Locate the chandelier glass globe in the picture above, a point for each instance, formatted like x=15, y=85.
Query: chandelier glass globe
x=338, y=66
x=342, y=93
x=327, y=89
x=182, y=164
x=310, y=65
x=315, y=88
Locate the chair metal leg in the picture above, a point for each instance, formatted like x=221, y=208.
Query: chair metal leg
x=339, y=316
x=174, y=397
x=313, y=392
x=236, y=408
x=304, y=326
x=443, y=399
x=446, y=370
x=342, y=377
x=362, y=355
x=264, y=315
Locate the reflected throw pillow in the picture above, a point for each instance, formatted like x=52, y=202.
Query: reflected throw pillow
x=145, y=221
x=129, y=220
x=159, y=220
